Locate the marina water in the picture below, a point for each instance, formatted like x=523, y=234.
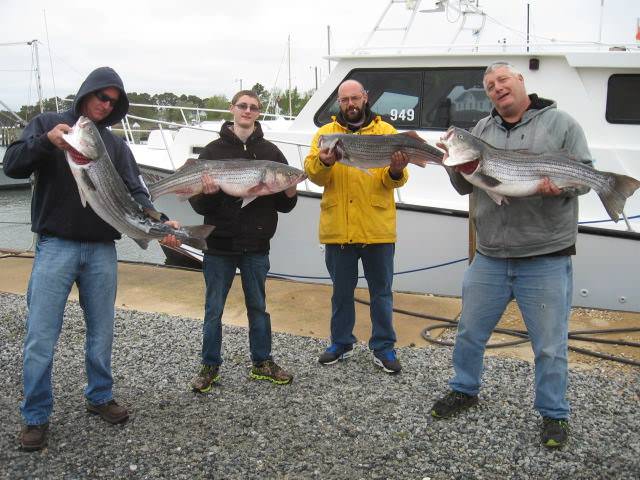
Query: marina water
x=15, y=228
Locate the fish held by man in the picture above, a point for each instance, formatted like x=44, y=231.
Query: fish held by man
x=100, y=185
x=238, y=178
x=517, y=173
x=374, y=151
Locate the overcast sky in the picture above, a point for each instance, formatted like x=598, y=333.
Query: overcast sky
x=205, y=47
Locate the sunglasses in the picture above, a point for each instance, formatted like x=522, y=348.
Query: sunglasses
x=245, y=106
x=103, y=97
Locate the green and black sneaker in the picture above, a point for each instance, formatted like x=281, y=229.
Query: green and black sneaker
x=452, y=403
x=269, y=370
x=203, y=382
x=555, y=432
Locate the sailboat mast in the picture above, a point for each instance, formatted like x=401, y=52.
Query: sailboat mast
x=289, y=57
x=34, y=45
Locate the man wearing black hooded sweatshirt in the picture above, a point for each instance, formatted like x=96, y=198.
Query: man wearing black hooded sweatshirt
x=74, y=246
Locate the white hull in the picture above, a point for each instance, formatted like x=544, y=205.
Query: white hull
x=432, y=251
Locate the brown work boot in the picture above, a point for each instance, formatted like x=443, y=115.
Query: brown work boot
x=269, y=370
x=208, y=375
x=110, y=412
x=33, y=437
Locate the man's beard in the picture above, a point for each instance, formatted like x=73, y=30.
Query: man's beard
x=354, y=114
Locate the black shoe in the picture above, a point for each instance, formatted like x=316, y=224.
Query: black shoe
x=33, y=437
x=452, y=403
x=334, y=353
x=555, y=432
x=387, y=361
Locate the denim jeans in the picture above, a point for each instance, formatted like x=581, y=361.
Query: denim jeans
x=542, y=287
x=377, y=263
x=219, y=272
x=57, y=265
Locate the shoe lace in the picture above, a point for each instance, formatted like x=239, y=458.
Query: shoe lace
x=454, y=398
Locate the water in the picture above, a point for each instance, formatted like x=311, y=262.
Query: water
x=15, y=229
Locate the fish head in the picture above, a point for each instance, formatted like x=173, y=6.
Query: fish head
x=85, y=141
x=334, y=144
x=462, y=147
x=282, y=177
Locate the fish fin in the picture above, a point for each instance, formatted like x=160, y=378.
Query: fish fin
x=620, y=187
x=142, y=243
x=149, y=212
x=496, y=197
x=87, y=179
x=188, y=163
x=413, y=134
x=198, y=235
x=247, y=200
x=83, y=199
x=489, y=181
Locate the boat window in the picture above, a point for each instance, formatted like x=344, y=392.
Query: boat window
x=454, y=96
x=415, y=98
x=623, y=99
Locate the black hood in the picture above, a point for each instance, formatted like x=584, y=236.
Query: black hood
x=227, y=134
x=368, y=117
x=99, y=79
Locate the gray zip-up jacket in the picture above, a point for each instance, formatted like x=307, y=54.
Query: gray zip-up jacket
x=535, y=225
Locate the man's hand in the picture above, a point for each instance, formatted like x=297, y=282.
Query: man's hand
x=399, y=161
x=55, y=136
x=208, y=184
x=171, y=240
x=327, y=157
x=291, y=191
x=548, y=188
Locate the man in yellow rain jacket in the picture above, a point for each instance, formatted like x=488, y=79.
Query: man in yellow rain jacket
x=358, y=221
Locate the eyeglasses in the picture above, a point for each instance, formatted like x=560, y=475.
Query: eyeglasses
x=245, y=106
x=352, y=99
x=103, y=97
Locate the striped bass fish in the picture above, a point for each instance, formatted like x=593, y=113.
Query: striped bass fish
x=100, y=185
x=247, y=179
x=374, y=151
x=518, y=173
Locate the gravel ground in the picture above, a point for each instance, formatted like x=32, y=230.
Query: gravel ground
x=346, y=421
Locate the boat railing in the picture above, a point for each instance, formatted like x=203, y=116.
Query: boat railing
x=563, y=47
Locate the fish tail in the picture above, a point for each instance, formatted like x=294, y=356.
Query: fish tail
x=197, y=235
x=615, y=195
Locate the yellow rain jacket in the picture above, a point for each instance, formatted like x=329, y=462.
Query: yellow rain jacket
x=356, y=207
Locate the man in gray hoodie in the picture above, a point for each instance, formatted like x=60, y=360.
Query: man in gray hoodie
x=524, y=253
x=74, y=246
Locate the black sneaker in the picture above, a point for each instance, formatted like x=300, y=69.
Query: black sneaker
x=334, y=353
x=452, y=403
x=387, y=361
x=203, y=382
x=555, y=432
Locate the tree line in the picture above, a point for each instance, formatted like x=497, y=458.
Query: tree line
x=276, y=99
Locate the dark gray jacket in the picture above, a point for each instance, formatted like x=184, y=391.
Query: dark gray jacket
x=55, y=207
x=536, y=225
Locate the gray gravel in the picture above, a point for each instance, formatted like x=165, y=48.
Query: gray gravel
x=345, y=421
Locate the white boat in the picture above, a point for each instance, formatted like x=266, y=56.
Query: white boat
x=429, y=89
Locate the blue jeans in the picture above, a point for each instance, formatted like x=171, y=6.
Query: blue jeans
x=377, y=263
x=219, y=272
x=57, y=265
x=542, y=287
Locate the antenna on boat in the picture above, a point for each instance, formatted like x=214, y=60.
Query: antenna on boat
x=412, y=5
x=53, y=78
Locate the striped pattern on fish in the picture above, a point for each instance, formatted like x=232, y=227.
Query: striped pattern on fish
x=100, y=185
x=374, y=151
x=510, y=173
x=247, y=179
